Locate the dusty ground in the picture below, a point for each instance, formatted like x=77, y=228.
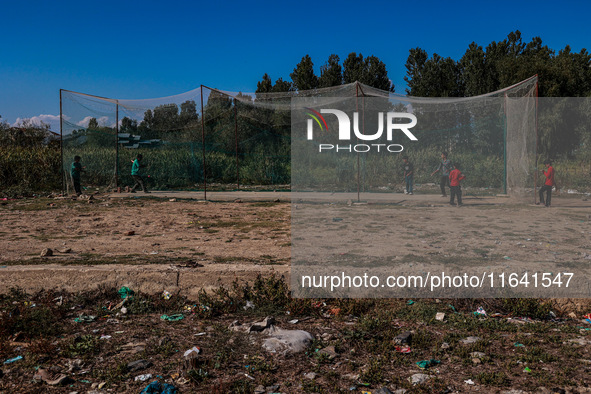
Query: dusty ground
x=169, y=239
x=172, y=239
x=183, y=246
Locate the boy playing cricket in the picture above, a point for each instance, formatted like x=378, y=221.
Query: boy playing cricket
x=455, y=176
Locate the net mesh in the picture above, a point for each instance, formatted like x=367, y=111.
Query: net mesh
x=216, y=139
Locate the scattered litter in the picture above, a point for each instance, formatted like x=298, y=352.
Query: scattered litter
x=445, y=345
x=199, y=334
x=517, y=344
x=248, y=376
x=507, y=258
x=12, y=360
x=138, y=365
x=125, y=292
x=403, y=339
x=191, y=357
x=85, y=319
x=527, y=370
x=334, y=311
x=249, y=305
x=469, y=381
x=453, y=308
x=469, y=340
x=403, y=349
x=329, y=352
x=105, y=336
x=419, y=378
x=166, y=295
x=294, y=321
x=410, y=302
x=287, y=341
x=176, y=317
x=440, y=316
x=52, y=379
x=428, y=363
x=134, y=348
x=143, y=378
x=337, y=219
x=385, y=390
x=480, y=312
x=310, y=375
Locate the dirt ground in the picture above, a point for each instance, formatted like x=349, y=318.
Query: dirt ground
x=182, y=246
x=148, y=244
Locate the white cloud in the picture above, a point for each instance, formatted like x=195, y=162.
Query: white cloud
x=102, y=121
x=52, y=120
x=84, y=122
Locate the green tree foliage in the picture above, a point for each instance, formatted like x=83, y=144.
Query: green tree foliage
x=93, y=124
x=331, y=73
x=128, y=125
x=282, y=86
x=303, y=76
x=501, y=64
x=369, y=71
x=353, y=68
x=265, y=85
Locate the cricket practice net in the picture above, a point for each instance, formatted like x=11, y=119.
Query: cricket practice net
x=211, y=139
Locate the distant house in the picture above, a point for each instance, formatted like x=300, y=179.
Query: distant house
x=130, y=141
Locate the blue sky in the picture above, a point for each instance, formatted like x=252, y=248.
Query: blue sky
x=131, y=50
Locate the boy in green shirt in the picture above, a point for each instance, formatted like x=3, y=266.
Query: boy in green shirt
x=135, y=173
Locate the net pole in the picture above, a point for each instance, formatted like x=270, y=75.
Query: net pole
x=62, y=147
x=357, y=110
x=117, y=145
x=505, y=149
x=536, y=143
x=203, y=146
x=236, y=144
x=363, y=131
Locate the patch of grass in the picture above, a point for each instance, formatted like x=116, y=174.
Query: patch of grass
x=536, y=354
x=498, y=379
x=111, y=374
x=85, y=346
x=527, y=307
x=373, y=373
x=265, y=204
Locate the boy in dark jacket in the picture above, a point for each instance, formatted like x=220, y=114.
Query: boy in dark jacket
x=408, y=175
x=445, y=167
x=75, y=171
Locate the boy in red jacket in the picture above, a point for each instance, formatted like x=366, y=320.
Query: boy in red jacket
x=549, y=172
x=455, y=176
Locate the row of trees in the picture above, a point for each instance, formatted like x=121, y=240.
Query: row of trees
x=480, y=70
x=498, y=65
x=369, y=71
